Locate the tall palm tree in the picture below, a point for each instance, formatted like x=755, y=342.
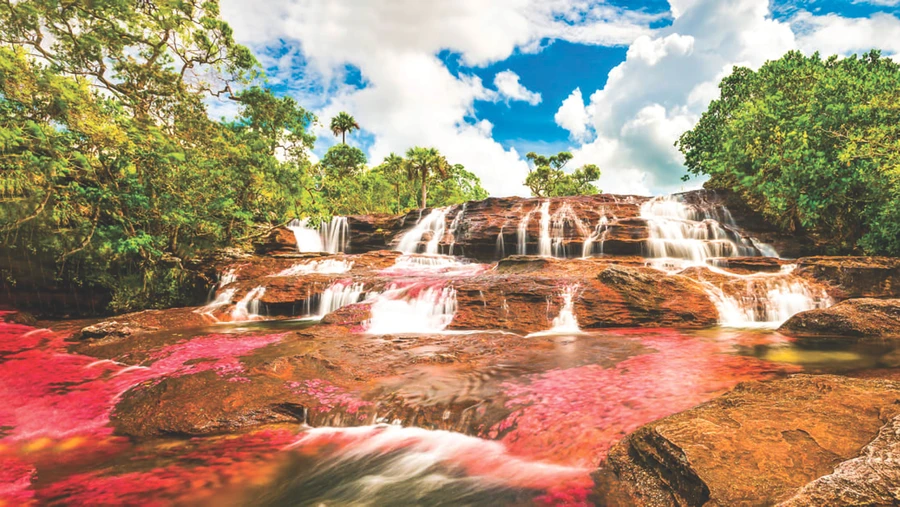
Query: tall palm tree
x=342, y=124
x=420, y=162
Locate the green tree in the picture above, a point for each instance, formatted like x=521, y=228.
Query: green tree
x=342, y=124
x=341, y=160
x=547, y=179
x=812, y=144
x=422, y=163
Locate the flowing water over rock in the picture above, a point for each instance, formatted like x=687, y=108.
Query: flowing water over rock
x=411, y=377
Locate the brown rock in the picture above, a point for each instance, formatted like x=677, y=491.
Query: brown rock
x=278, y=240
x=866, y=317
x=752, y=446
x=855, y=277
x=147, y=321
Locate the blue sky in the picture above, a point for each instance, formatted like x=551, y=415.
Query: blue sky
x=615, y=81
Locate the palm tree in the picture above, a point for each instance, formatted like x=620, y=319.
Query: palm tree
x=420, y=162
x=342, y=124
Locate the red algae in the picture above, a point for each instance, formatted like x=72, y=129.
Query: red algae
x=574, y=416
x=328, y=396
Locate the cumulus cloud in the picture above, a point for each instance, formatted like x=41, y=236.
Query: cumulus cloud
x=574, y=117
x=509, y=87
x=409, y=96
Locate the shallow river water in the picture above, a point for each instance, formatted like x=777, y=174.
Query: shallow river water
x=572, y=400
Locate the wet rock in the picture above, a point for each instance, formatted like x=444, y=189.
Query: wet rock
x=278, y=240
x=865, y=317
x=747, y=265
x=755, y=445
x=24, y=318
x=855, y=277
x=868, y=480
x=147, y=321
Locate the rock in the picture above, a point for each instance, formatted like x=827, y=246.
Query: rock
x=147, y=321
x=869, y=480
x=278, y=240
x=24, y=318
x=755, y=445
x=747, y=265
x=855, y=277
x=865, y=317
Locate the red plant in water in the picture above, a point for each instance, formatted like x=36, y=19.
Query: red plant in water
x=574, y=416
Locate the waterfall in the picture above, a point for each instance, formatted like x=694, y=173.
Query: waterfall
x=333, y=237
x=500, y=249
x=336, y=235
x=566, y=322
x=454, y=226
x=599, y=234
x=432, y=265
x=764, y=299
x=227, y=277
x=339, y=295
x=327, y=266
x=223, y=298
x=544, y=243
x=412, y=310
x=435, y=223
x=248, y=307
x=522, y=233
x=683, y=232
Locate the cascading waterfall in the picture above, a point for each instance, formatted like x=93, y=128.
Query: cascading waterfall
x=339, y=295
x=454, y=226
x=248, y=307
x=599, y=235
x=435, y=223
x=227, y=277
x=566, y=322
x=545, y=245
x=412, y=310
x=691, y=236
x=433, y=265
x=223, y=298
x=500, y=249
x=327, y=266
x=764, y=299
x=522, y=233
x=333, y=237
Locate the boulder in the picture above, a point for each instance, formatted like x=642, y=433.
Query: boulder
x=865, y=318
x=855, y=277
x=755, y=445
x=279, y=240
x=147, y=321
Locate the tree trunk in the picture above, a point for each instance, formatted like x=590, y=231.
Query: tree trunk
x=424, y=192
x=344, y=137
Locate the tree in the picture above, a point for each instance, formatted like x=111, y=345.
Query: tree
x=342, y=124
x=341, y=160
x=812, y=144
x=547, y=178
x=423, y=162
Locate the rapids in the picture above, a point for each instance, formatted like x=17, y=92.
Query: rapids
x=359, y=379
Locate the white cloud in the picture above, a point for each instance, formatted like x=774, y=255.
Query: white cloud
x=509, y=87
x=884, y=3
x=410, y=97
x=628, y=127
x=574, y=117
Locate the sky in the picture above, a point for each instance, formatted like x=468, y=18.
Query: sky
x=615, y=82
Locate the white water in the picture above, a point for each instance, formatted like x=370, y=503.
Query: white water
x=566, y=322
x=339, y=295
x=412, y=310
x=764, y=299
x=227, y=277
x=327, y=266
x=432, y=265
x=599, y=235
x=522, y=233
x=545, y=248
x=454, y=226
x=435, y=223
x=681, y=235
x=248, y=307
x=223, y=298
x=500, y=248
x=333, y=237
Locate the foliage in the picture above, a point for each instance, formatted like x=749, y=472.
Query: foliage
x=342, y=124
x=547, y=178
x=109, y=164
x=813, y=144
x=424, y=164
x=341, y=161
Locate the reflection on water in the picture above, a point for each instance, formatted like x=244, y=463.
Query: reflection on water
x=560, y=403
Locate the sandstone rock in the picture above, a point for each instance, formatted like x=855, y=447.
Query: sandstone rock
x=855, y=277
x=866, y=317
x=278, y=240
x=147, y=321
x=755, y=445
x=872, y=479
x=747, y=265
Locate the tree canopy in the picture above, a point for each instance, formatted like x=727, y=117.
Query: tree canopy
x=547, y=178
x=813, y=144
x=342, y=124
